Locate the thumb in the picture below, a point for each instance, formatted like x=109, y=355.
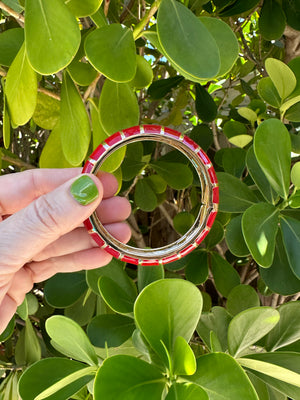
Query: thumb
x=27, y=232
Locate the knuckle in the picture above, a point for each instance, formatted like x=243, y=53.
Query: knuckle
x=46, y=213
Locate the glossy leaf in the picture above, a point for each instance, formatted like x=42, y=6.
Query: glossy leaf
x=114, y=161
x=282, y=77
x=202, y=135
x=225, y=276
x=118, y=107
x=247, y=327
x=47, y=111
x=294, y=65
x=295, y=174
x=22, y=310
x=233, y=161
x=271, y=136
x=6, y=124
x=69, y=338
x=166, y=309
x=238, y=7
x=64, y=289
x=74, y=123
x=241, y=298
x=235, y=195
x=8, y=331
x=186, y=391
x=196, y=269
x=292, y=12
x=82, y=72
x=290, y=229
x=215, y=236
x=293, y=113
x=205, y=106
x=144, y=196
x=83, y=8
x=52, y=35
x=226, y=41
x=160, y=88
x=272, y=20
x=248, y=114
x=176, y=25
x=117, y=58
x=235, y=239
x=157, y=183
x=21, y=89
x=143, y=75
x=294, y=200
x=148, y=274
x=28, y=348
x=259, y=177
x=184, y=362
x=98, y=133
x=179, y=180
x=260, y=225
x=110, y=330
x=10, y=44
x=52, y=154
x=183, y=221
x=115, y=296
x=223, y=378
x=83, y=310
x=33, y=382
x=113, y=379
x=268, y=92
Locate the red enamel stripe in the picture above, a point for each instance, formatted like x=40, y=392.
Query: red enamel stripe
x=216, y=195
x=98, y=152
x=170, y=259
x=115, y=138
x=152, y=128
x=131, y=131
x=203, y=157
x=97, y=238
x=190, y=143
x=113, y=252
x=130, y=260
x=211, y=218
x=172, y=133
x=87, y=223
x=187, y=250
x=88, y=166
x=150, y=262
x=212, y=175
x=202, y=236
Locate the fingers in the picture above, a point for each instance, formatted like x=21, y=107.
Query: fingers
x=79, y=239
x=111, y=209
x=26, y=233
x=8, y=308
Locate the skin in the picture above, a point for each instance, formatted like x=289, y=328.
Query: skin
x=41, y=230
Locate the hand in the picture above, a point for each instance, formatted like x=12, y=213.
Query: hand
x=41, y=230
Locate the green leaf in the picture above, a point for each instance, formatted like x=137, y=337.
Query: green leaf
x=33, y=382
x=186, y=391
x=272, y=20
x=241, y=298
x=98, y=133
x=268, y=92
x=248, y=114
x=271, y=136
x=114, y=161
x=272, y=370
x=295, y=174
x=52, y=35
x=11, y=41
x=117, y=58
x=292, y=11
x=233, y=161
x=64, y=289
x=293, y=113
x=223, y=378
x=166, y=309
x=74, y=123
x=148, y=274
x=144, y=196
x=294, y=65
x=144, y=75
x=160, y=88
x=225, y=276
x=21, y=89
x=259, y=177
x=260, y=226
x=118, y=107
x=110, y=330
x=184, y=362
x=196, y=269
x=52, y=154
x=290, y=229
x=236, y=133
x=157, y=183
x=176, y=28
x=235, y=239
x=183, y=221
x=113, y=380
x=202, y=135
x=83, y=310
x=6, y=123
x=83, y=8
x=294, y=199
x=28, y=348
x=235, y=195
x=22, y=310
x=82, y=72
x=205, y=106
x=115, y=296
x=69, y=338
x=247, y=327
x=238, y=7
x=279, y=277
x=131, y=168
x=47, y=111
x=8, y=331
x=226, y=41
x=183, y=177
x=282, y=76
x=216, y=234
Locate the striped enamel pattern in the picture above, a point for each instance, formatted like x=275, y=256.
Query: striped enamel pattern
x=208, y=210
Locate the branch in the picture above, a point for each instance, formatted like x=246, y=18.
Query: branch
x=215, y=135
x=91, y=88
x=144, y=21
x=49, y=93
x=17, y=162
x=10, y=11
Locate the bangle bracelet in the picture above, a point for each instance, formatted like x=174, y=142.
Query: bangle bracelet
x=209, y=196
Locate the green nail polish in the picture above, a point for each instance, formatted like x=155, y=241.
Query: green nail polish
x=84, y=190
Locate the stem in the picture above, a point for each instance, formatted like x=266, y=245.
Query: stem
x=215, y=135
x=49, y=93
x=91, y=88
x=17, y=162
x=10, y=11
x=144, y=21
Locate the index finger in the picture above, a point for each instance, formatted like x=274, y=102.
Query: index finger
x=18, y=190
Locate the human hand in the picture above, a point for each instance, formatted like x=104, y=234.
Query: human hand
x=41, y=230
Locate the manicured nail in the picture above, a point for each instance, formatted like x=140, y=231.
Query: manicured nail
x=84, y=190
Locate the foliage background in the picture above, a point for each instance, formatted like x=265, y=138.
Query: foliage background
x=227, y=74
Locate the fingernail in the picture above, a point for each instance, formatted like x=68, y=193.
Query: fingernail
x=84, y=190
